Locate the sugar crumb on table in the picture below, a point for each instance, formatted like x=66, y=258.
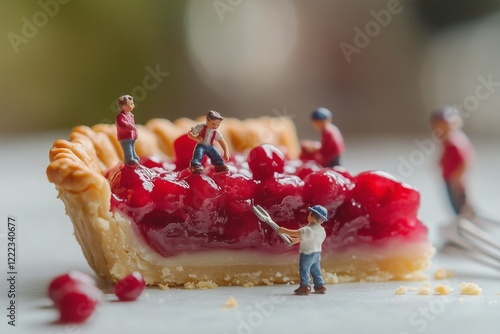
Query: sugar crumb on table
x=469, y=288
x=230, y=303
x=402, y=290
x=442, y=289
x=425, y=289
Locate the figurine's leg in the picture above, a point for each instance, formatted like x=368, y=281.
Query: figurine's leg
x=128, y=152
x=216, y=159
x=214, y=156
x=134, y=152
x=198, y=153
x=457, y=196
x=316, y=272
x=305, y=263
x=334, y=162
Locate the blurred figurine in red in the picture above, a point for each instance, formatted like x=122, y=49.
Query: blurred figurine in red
x=206, y=135
x=457, y=155
x=328, y=152
x=126, y=130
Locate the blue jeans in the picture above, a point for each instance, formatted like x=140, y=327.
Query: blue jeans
x=128, y=147
x=334, y=162
x=200, y=150
x=457, y=196
x=309, y=264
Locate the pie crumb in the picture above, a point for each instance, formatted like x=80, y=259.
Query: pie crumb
x=425, y=289
x=402, y=290
x=267, y=282
x=442, y=289
x=189, y=285
x=249, y=284
x=230, y=303
x=179, y=268
x=331, y=278
x=203, y=285
x=442, y=273
x=469, y=288
x=163, y=286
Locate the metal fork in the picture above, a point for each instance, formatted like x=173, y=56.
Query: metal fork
x=475, y=237
x=266, y=218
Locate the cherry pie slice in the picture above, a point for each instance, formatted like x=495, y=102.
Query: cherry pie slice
x=178, y=228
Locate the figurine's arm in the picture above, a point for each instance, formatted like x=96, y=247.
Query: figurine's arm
x=310, y=146
x=292, y=233
x=123, y=123
x=223, y=144
x=194, y=137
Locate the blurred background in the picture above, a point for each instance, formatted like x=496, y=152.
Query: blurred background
x=379, y=65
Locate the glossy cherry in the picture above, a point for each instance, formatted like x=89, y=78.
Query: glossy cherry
x=130, y=287
x=265, y=160
x=78, y=302
x=326, y=187
x=74, y=277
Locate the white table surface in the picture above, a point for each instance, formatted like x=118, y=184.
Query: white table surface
x=46, y=247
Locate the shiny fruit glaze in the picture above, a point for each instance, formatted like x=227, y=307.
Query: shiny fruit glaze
x=130, y=287
x=176, y=211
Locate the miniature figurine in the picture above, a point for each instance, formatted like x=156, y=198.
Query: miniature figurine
x=456, y=156
x=311, y=238
x=126, y=130
x=328, y=152
x=206, y=135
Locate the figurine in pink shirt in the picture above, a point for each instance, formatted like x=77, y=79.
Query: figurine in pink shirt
x=126, y=130
x=456, y=157
x=329, y=151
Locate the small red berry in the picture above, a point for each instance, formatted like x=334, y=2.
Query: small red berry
x=78, y=302
x=130, y=287
x=58, y=284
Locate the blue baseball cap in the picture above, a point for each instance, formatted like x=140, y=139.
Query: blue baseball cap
x=320, y=211
x=321, y=114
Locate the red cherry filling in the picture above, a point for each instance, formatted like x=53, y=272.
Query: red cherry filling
x=386, y=199
x=130, y=287
x=179, y=212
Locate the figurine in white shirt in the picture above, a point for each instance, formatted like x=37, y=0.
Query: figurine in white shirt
x=206, y=135
x=311, y=238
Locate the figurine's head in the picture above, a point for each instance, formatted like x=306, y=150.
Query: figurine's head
x=126, y=103
x=445, y=120
x=213, y=120
x=317, y=214
x=320, y=117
